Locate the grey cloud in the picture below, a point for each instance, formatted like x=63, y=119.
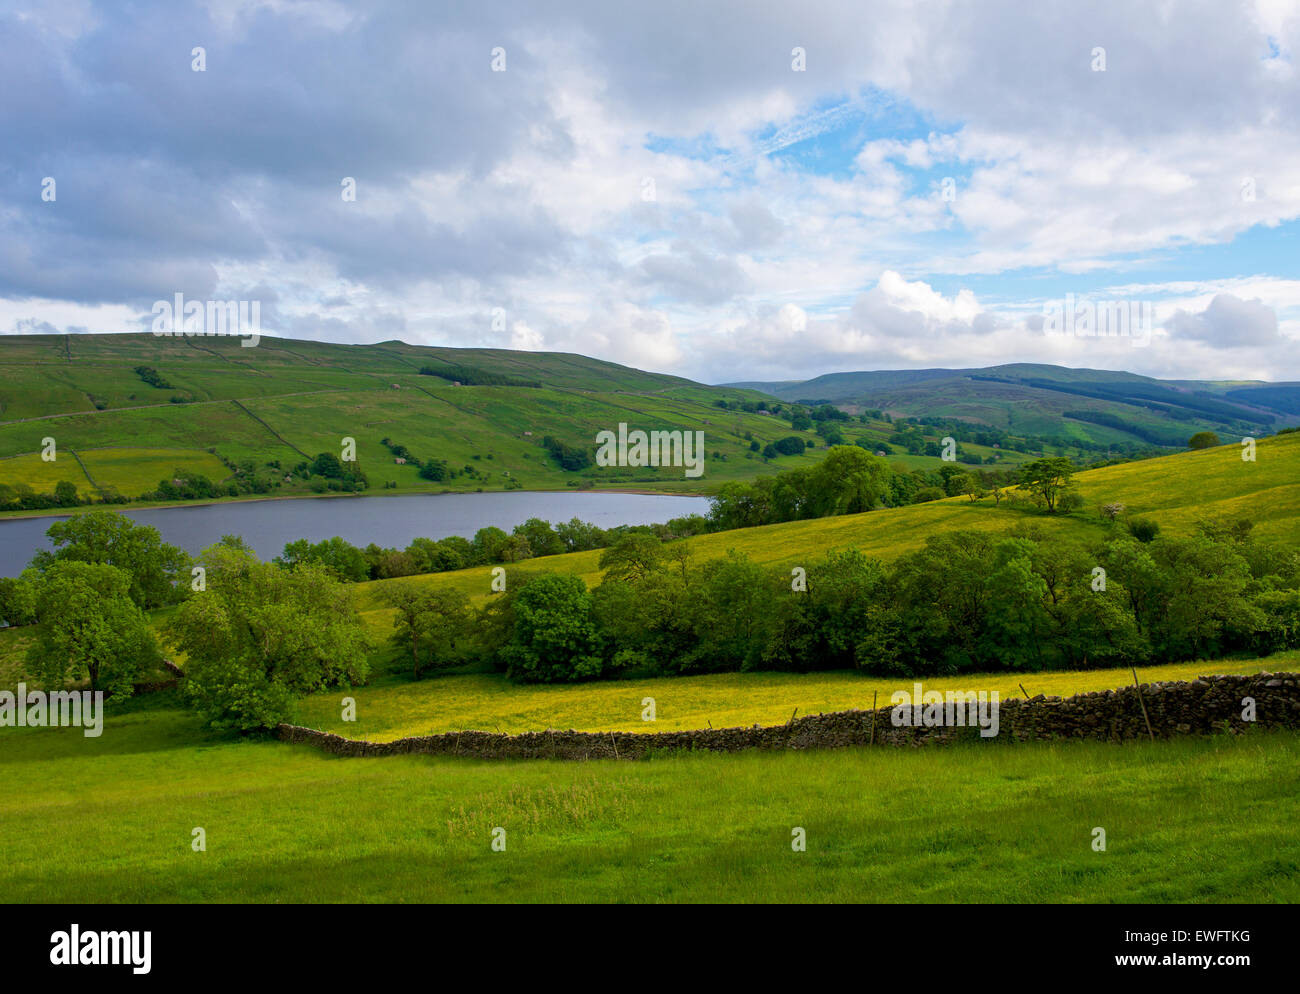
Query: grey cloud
x=691, y=275
x=1228, y=322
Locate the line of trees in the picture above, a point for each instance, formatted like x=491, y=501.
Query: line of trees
x=967, y=602
x=489, y=546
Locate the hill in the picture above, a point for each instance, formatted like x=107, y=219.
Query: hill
x=129, y=410
x=1102, y=406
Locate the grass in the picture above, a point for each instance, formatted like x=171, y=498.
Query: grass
x=110, y=819
x=43, y=476
x=394, y=707
x=136, y=471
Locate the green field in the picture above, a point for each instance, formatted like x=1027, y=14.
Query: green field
x=394, y=707
x=110, y=819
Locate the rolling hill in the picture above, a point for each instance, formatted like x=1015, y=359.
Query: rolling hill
x=131, y=409
x=1056, y=402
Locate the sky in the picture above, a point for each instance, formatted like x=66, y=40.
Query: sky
x=722, y=190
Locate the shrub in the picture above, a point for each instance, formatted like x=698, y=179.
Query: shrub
x=1143, y=529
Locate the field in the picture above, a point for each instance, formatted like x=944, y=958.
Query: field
x=110, y=819
x=394, y=707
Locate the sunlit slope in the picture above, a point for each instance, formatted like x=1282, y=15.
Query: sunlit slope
x=1174, y=490
x=283, y=401
x=1179, y=489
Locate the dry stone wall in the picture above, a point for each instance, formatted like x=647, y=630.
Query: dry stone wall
x=1198, y=707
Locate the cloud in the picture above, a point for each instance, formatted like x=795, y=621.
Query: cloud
x=796, y=218
x=1228, y=322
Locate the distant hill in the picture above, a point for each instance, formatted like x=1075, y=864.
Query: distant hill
x=126, y=411
x=1057, y=402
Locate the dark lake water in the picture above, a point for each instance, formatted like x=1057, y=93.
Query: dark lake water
x=387, y=521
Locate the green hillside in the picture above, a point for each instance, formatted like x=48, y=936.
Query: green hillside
x=1102, y=406
x=126, y=411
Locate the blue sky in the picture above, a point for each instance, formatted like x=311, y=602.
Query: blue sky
x=722, y=190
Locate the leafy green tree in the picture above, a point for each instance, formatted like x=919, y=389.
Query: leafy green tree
x=580, y=536
x=1203, y=440
x=431, y=623
x=65, y=492
x=327, y=464
x=820, y=627
x=158, y=572
x=346, y=560
x=632, y=557
x=260, y=634
x=1143, y=529
x=90, y=629
x=541, y=538
x=730, y=616
x=1045, y=480
x=848, y=481
x=18, y=599
x=514, y=549
x=554, y=637
x=488, y=545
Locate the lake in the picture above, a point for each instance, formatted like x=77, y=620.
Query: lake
x=387, y=521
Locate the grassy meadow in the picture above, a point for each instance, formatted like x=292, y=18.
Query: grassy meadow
x=111, y=819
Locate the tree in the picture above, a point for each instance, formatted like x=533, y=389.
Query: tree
x=327, y=464
x=514, y=549
x=65, y=492
x=580, y=536
x=968, y=485
x=540, y=537
x=1203, y=440
x=632, y=557
x=1046, y=479
x=430, y=622
x=346, y=560
x=156, y=570
x=18, y=599
x=848, y=481
x=488, y=544
x=261, y=634
x=1143, y=529
x=554, y=637
x=89, y=628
